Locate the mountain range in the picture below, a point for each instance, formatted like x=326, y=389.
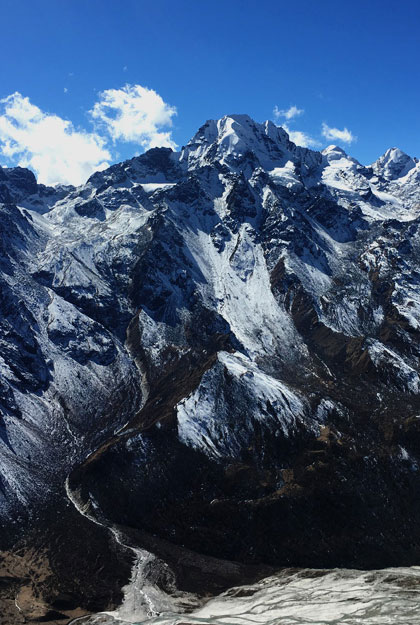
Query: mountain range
x=215, y=354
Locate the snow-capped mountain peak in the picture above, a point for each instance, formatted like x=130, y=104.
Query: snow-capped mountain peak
x=393, y=164
x=333, y=152
x=234, y=138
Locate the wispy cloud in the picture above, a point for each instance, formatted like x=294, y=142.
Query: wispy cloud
x=135, y=113
x=301, y=138
x=290, y=113
x=335, y=134
x=50, y=145
x=298, y=137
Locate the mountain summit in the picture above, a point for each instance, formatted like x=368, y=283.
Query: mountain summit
x=213, y=351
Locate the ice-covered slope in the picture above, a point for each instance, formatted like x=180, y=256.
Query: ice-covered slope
x=255, y=306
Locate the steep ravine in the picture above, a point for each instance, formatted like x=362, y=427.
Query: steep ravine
x=58, y=595
x=155, y=575
x=179, y=380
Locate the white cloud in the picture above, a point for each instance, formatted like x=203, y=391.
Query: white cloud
x=60, y=153
x=48, y=144
x=135, y=113
x=297, y=136
x=290, y=113
x=301, y=138
x=334, y=134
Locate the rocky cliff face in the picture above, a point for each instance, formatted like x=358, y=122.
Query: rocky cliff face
x=219, y=348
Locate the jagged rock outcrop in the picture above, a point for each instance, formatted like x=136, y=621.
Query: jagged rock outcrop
x=220, y=347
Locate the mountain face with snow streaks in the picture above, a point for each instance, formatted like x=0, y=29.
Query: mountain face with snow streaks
x=219, y=348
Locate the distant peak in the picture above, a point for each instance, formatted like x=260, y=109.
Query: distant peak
x=241, y=118
x=277, y=133
x=334, y=153
x=393, y=164
x=334, y=148
x=395, y=152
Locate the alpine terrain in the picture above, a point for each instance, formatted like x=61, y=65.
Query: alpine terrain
x=210, y=371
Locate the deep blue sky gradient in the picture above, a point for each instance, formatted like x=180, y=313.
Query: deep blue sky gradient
x=347, y=63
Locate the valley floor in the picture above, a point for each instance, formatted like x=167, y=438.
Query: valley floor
x=301, y=597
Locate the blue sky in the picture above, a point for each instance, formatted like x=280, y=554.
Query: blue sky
x=342, y=65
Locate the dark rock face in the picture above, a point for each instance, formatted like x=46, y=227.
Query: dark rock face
x=21, y=180
x=219, y=349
